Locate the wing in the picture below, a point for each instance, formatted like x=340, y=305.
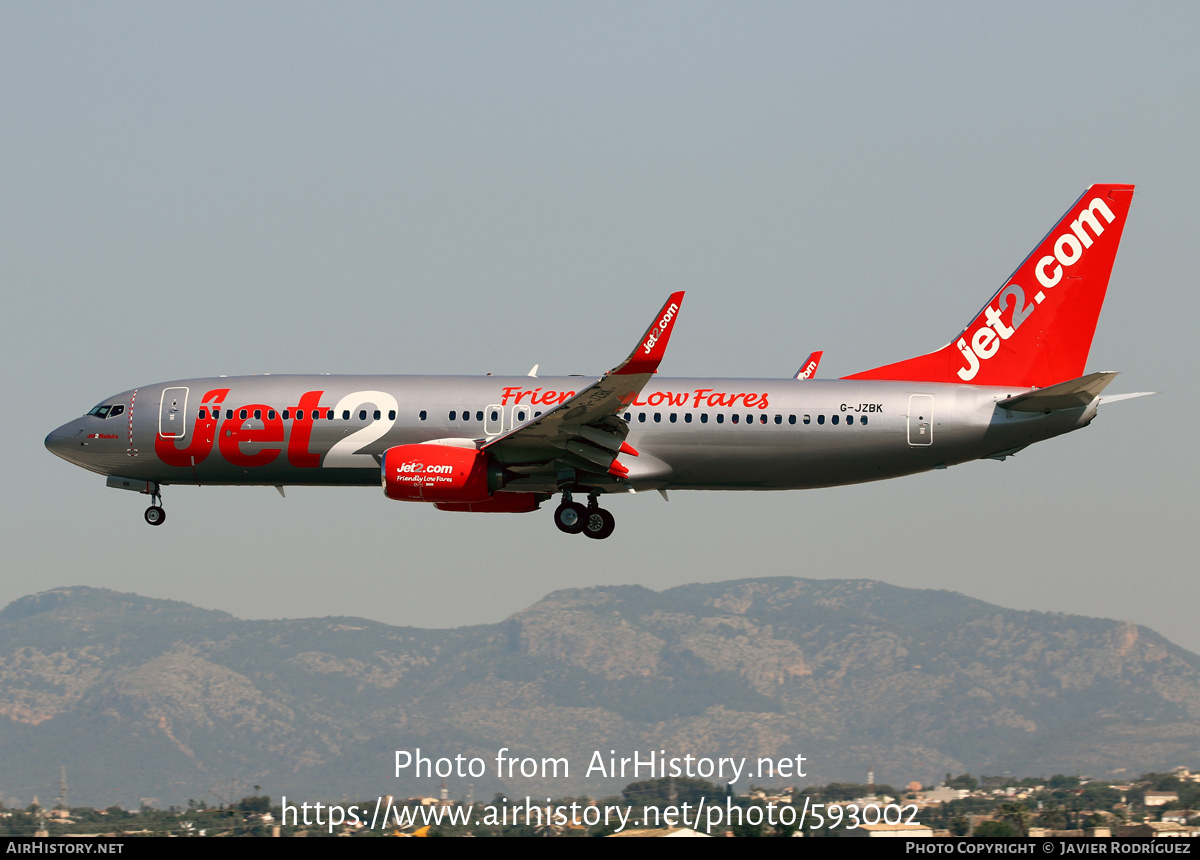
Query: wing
x=586, y=433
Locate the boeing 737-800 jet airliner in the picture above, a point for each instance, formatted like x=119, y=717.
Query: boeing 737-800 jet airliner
x=1013, y=377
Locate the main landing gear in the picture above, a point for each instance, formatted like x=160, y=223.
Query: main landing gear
x=572, y=518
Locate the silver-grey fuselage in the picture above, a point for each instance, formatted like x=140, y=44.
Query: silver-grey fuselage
x=690, y=434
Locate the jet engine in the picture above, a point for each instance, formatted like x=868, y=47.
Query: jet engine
x=439, y=473
x=454, y=478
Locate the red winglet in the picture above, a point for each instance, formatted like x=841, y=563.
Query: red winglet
x=809, y=369
x=626, y=448
x=650, y=351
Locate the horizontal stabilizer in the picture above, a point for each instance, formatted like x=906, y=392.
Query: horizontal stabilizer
x=1114, y=398
x=1072, y=394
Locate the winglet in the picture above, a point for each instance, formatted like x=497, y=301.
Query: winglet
x=649, y=352
x=809, y=369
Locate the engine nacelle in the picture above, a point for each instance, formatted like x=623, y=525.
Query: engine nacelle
x=439, y=473
x=501, y=503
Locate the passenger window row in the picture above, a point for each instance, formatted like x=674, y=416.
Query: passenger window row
x=736, y=418
x=466, y=415
x=328, y=414
x=314, y=414
x=493, y=415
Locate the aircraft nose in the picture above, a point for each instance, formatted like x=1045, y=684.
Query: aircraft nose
x=64, y=441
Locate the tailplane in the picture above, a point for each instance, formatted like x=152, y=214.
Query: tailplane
x=1037, y=329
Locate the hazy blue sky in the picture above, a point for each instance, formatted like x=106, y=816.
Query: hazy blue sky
x=212, y=188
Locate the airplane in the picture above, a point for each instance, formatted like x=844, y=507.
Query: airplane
x=1012, y=377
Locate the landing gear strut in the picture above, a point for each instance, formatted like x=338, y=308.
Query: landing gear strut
x=155, y=515
x=569, y=516
x=573, y=518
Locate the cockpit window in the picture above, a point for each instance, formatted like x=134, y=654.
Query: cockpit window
x=101, y=411
x=117, y=410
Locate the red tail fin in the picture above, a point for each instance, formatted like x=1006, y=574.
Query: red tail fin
x=1037, y=329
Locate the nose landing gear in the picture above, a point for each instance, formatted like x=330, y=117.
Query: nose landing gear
x=155, y=515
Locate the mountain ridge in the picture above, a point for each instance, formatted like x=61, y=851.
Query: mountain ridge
x=853, y=674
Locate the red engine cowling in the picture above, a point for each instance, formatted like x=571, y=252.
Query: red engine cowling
x=437, y=473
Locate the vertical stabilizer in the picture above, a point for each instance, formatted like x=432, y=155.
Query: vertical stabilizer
x=1037, y=329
